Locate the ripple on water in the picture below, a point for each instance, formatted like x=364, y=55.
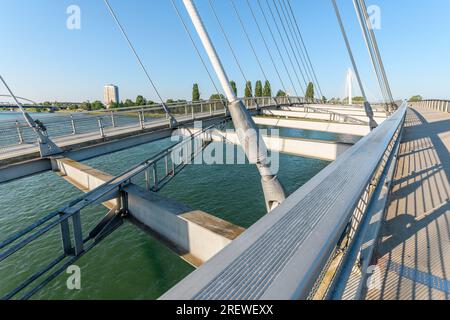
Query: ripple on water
x=130, y=264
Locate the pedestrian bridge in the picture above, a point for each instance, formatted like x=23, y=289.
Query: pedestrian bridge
x=91, y=134
x=372, y=225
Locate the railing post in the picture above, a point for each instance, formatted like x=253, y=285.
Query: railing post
x=447, y=109
x=210, y=110
x=113, y=120
x=166, y=163
x=201, y=107
x=65, y=236
x=74, y=129
x=147, y=179
x=19, y=132
x=78, y=233
x=141, y=119
x=192, y=111
x=155, y=177
x=100, y=125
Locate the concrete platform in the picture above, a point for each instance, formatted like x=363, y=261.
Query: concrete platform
x=314, y=116
x=414, y=248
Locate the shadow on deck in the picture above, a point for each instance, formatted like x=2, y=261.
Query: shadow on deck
x=414, y=250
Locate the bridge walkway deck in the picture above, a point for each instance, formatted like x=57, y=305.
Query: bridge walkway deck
x=413, y=254
x=23, y=152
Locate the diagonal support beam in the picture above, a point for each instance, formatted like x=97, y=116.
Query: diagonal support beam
x=249, y=136
x=46, y=146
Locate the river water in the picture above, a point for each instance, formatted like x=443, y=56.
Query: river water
x=130, y=264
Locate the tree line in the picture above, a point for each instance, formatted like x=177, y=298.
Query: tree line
x=259, y=91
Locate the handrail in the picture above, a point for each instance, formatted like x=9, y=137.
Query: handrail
x=286, y=253
x=15, y=132
x=156, y=106
x=107, y=191
x=435, y=104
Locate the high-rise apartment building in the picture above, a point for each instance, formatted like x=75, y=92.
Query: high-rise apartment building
x=110, y=94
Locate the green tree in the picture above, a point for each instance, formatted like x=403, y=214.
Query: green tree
x=217, y=97
x=416, y=98
x=267, y=89
x=195, y=93
x=248, y=89
x=258, y=89
x=128, y=103
x=233, y=86
x=170, y=101
x=97, y=105
x=310, y=91
x=140, y=101
x=335, y=100
x=324, y=99
x=281, y=93
x=87, y=106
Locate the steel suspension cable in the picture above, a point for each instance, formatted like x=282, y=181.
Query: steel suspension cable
x=377, y=50
x=198, y=51
x=300, y=54
x=285, y=46
x=230, y=46
x=144, y=69
x=304, y=45
x=277, y=46
x=30, y=121
x=301, y=45
x=233, y=52
x=248, y=39
x=267, y=47
x=289, y=41
x=371, y=53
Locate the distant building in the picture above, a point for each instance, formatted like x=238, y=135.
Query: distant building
x=110, y=94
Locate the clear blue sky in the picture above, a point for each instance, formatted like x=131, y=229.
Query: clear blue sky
x=43, y=60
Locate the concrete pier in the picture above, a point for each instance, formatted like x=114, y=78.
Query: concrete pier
x=322, y=126
x=194, y=235
x=314, y=149
x=315, y=115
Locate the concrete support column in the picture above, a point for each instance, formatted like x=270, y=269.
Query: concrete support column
x=195, y=235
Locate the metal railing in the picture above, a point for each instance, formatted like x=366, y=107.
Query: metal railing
x=154, y=174
x=335, y=116
x=297, y=251
x=102, y=123
x=325, y=278
x=438, y=105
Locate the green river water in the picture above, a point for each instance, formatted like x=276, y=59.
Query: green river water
x=130, y=264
